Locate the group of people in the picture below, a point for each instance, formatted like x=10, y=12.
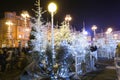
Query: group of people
x=9, y=57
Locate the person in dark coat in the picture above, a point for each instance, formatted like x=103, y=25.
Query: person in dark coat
x=93, y=48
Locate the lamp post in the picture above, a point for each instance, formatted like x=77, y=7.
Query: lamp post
x=109, y=30
x=9, y=23
x=94, y=27
x=68, y=18
x=52, y=8
x=108, y=34
x=25, y=15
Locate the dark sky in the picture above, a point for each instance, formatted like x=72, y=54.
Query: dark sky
x=103, y=13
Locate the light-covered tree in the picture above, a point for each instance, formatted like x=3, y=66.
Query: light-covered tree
x=38, y=36
x=37, y=44
x=64, y=33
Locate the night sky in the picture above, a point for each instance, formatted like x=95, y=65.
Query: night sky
x=103, y=13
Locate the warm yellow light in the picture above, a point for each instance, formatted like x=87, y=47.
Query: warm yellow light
x=25, y=14
x=68, y=18
x=9, y=23
x=20, y=36
x=27, y=29
x=94, y=27
x=109, y=30
x=52, y=7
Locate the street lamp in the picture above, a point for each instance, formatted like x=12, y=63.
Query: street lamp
x=9, y=23
x=94, y=27
x=68, y=18
x=108, y=34
x=109, y=30
x=52, y=8
x=25, y=15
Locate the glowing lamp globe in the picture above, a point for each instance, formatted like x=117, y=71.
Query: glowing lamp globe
x=109, y=30
x=52, y=7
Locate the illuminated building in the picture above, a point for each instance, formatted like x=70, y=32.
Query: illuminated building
x=13, y=30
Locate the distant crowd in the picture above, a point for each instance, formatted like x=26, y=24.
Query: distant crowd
x=9, y=57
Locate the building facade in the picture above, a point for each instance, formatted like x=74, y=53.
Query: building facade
x=14, y=30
